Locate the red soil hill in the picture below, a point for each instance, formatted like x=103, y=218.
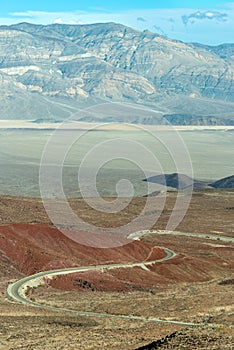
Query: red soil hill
x=35, y=248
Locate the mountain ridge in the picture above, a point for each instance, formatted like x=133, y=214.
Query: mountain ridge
x=181, y=182
x=54, y=70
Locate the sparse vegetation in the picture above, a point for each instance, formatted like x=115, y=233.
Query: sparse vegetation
x=195, y=289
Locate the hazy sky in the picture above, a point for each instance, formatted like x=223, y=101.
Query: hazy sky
x=205, y=21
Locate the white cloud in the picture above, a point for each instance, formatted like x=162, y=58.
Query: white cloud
x=59, y=20
x=210, y=15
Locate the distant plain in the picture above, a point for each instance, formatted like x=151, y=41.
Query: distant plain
x=211, y=152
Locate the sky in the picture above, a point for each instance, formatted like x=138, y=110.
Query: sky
x=204, y=21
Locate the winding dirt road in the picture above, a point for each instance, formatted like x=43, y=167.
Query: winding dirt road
x=18, y=291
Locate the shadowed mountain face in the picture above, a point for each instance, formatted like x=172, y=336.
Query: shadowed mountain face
x=181, y=181
x=51, y=72
x=227, y=182
x=177, y=181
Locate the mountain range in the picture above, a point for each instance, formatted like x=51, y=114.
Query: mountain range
x=51, y=72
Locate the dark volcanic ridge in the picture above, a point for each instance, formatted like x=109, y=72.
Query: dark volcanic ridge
x=227, y=182
x=51, y=72
x=182, y=182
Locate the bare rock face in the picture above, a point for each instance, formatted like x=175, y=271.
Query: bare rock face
x=52, y=71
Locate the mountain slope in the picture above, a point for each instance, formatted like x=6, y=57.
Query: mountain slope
x=227, y=182
x=181, y=182
x=177, y=181
x=52, y=71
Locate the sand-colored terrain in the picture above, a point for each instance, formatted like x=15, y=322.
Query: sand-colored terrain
x=69, y=124
x=195, y=286
x=210, y=212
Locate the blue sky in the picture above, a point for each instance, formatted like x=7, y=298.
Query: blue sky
x=204, y=21
x=72, y=5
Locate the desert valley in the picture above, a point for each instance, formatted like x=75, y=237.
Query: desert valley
x=116, y=178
